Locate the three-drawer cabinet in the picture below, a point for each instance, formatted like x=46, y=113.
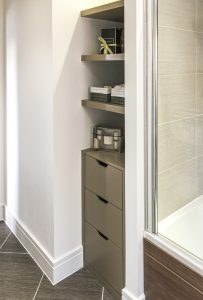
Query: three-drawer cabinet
x=103, y=215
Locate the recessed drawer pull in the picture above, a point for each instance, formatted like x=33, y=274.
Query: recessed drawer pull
x=103, y=164
x=102, y=235
x=102, y=199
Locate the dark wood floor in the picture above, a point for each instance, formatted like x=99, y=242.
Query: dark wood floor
x=21, y=278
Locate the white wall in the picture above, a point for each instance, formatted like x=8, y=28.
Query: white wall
x=135, y=103
x=46, y=125
x=73, y=36
x=30, y=117
x=1, y=112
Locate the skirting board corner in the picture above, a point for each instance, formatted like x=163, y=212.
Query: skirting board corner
x=55, y=269
x=127, y=295
x=1, y=212
x=67, y=265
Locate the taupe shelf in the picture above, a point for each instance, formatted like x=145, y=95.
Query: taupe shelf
x=110, y=12
x=119, y=109
x=114, y=159
x=102, y=57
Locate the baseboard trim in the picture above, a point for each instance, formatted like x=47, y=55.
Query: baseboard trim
x=55, y=269
x=127, y=295
x=1, y=212
x=68, y=264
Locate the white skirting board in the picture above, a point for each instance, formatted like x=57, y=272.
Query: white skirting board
x=127, y=295
x=55, y=269
x=1, y=212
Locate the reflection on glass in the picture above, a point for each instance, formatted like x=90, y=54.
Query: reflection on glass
x=180, y=123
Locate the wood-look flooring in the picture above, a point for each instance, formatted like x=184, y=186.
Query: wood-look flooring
x=22, y=279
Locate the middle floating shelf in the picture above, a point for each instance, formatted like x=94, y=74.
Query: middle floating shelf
x=103, y=57
x=118, y=109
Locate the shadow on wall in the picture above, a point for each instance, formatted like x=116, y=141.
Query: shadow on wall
x=12, y=115
x=73, y=123
x=73, y=85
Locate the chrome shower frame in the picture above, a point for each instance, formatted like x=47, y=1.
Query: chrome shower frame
x=152, y=116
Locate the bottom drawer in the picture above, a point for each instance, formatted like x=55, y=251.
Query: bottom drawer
x=104, y=257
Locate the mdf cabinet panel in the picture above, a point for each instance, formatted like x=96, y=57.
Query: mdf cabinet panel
x=104, y=257
x=104, y=180
x=103, y=216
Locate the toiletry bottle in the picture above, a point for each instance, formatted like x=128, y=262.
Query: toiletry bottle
x=99, y=138
x=116, y=142
x=95, y=140
x=96, y=144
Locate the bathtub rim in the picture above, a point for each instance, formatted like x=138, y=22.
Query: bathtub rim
x=182, y=255
x=176, y=215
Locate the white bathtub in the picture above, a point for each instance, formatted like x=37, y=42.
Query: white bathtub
x=181, y=235
x=185, y=227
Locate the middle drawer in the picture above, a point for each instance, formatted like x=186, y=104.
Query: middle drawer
x=104, y=217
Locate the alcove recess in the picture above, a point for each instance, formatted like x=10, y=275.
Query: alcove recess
x=103, y=172
x=108, y=70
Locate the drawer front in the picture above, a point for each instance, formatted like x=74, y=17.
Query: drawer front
x=104, y=216
x=104, y=257
x=104, y=180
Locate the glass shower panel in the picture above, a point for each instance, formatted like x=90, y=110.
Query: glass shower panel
x=180, y=123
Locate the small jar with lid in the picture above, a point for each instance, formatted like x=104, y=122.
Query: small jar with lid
x=99, y=136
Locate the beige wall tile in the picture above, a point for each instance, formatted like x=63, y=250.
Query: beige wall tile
x=200, y=136
x=199, y=15
x=180, y=103
x=177, y=97
x=177, y=187
x=176, y=143
x=177, y=52
x=200, y=175
x=178, y=13
x=200, y=94
x=199, y=52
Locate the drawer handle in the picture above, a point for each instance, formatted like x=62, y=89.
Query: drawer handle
x=103, y=164
x=102, y=235
x=102, y=199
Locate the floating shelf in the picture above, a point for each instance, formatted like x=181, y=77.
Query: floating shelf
x=102, y=57
x=110, y=12
x=118, y=109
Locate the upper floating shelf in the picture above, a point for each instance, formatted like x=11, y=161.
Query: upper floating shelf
x=110, y=12
x=102, y=57
x=118, y=109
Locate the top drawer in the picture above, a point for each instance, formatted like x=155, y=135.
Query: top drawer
x=104, y=180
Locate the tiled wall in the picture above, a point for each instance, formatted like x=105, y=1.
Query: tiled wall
x=180, y=102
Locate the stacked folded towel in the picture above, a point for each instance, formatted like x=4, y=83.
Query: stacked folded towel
x=115, y=95
x=118, y=91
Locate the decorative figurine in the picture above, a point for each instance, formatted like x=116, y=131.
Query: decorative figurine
x=105, y=49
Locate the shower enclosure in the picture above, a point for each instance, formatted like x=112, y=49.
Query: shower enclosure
x=175, y=128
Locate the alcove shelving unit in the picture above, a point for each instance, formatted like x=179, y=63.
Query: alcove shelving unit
x=103, y=173
x=109, y=12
